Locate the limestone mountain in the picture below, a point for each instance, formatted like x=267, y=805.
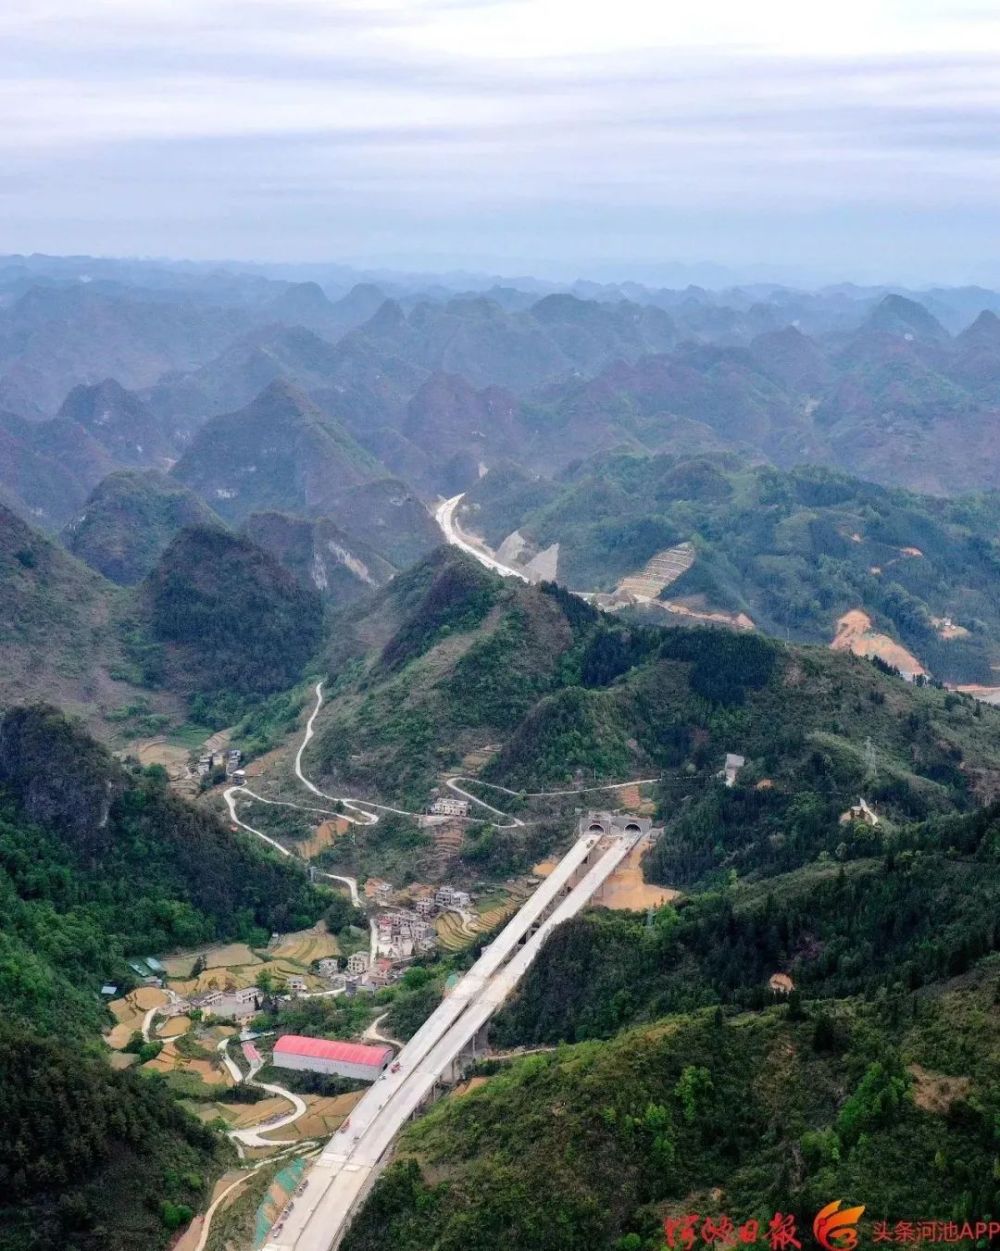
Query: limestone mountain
x=281, y=453
x=518, y=350
x=240, y=373
x=897, y=315
x=121, y=423
x=320, y=554
x=306, y=304
x=55, y=337
x=48, y=468
x=388, y=517
x=233, y=624
x=59, y=631
x=461, y=429
x=129, y=519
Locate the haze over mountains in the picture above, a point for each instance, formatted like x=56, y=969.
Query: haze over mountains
x=321, y=419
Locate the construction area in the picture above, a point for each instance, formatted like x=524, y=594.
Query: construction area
x=658, y=572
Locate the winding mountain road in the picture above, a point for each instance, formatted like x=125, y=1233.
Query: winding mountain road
x=359, y=813
x=444, y=515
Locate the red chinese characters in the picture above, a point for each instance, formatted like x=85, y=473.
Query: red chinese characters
x=683, y=1232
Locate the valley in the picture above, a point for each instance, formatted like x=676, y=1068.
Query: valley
x=574, y=703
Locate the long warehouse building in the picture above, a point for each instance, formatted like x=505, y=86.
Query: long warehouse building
x=342, y=1059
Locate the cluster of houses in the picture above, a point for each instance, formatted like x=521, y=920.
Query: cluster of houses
x=359, y=975
x=231, y=1005
x=427, y=901
x=232, y=760
x=448, y=899
x=401, y=935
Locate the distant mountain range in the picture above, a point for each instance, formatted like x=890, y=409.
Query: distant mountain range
x=321, y=420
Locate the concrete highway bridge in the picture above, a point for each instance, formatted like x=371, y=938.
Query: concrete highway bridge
x=321, y=1210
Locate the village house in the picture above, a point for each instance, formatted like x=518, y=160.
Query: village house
x=449, y=897
x=400, y=934
x=231, y=1004
x=328, y=967
x=449, y=806
x=732, y=767
x=382, y=974
x=378, y=890
x=358, y=962
x=425, y=907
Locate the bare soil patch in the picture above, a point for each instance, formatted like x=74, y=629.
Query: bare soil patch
x=855, y=633
x=174, y=1027
x=625, y=888
x=323, y=836
x=463, y=1088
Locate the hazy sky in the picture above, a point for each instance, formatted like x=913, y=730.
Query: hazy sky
x=597, y=137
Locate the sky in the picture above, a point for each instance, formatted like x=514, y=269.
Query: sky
x=794, y=141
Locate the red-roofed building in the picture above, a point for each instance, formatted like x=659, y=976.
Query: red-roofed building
x=343, y=1059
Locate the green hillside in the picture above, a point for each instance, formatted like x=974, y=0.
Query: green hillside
x=59, y=633
x=876, y=1081
x=279, y=453
x=890, y=1104
x=793, y=550
x=233, y=625
x=448, y=659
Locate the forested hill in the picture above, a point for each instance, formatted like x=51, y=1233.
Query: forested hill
x=218, y=624
x=128, y=521
x=793, y=550
x=449, y=659
x=99, y=863
x=233, y=624
x=890, y=1104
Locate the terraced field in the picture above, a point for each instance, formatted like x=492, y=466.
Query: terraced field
x=454, y=933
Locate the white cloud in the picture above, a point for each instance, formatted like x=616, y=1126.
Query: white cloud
x=321, y=118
